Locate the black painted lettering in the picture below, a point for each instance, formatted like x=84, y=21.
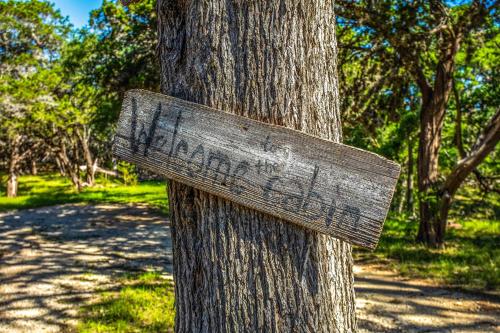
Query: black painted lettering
x=269, y=191
x=273, y=167
x=314, y=198
x=269, y=146
x=181, y=145
x=174, y=135
x=223, y=166
x=293, y=202
x=258, y=166
x=268, y=167
x=239, y=172
x=352, y=215
x=331, y=211
x=152, y=130
x=144, y=137
x=198, y=151
x=274, y=192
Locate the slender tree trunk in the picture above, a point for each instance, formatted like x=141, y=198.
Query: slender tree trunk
x=12, y=184
x=71, y=168
x=437, y=197
x=14, y=159
x=60, y=166
x=409, y=178
x=402, y=200
x=33, y=166
x=238, y=270
x=84, y=138
x=12, y=180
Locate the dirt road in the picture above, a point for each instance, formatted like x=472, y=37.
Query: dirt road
x=387, y=303
x=53, y=259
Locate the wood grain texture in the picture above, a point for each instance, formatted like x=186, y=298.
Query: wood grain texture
x=321, y=185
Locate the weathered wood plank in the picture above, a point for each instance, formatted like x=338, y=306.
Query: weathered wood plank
x=328, y=187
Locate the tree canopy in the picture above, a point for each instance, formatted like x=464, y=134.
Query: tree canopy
x=419, y=83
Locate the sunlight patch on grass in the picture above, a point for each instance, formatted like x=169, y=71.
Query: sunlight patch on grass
x=469, y=260
x=48, y=190
x=145, y=303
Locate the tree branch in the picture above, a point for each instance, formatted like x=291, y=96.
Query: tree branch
x=485, y=144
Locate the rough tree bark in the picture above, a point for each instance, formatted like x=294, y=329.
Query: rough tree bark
x=237, y=269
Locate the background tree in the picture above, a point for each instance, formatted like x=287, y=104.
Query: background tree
x=61, y=91
x=426, y=37
x=31, y=33
x=121, y=53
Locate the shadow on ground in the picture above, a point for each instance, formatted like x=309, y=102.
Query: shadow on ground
x=53, y=258
x=386, y=302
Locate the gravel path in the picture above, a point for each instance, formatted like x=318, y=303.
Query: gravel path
x=386, y=302
x=54, y=259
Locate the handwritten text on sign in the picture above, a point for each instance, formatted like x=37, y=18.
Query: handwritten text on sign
x=328, y=187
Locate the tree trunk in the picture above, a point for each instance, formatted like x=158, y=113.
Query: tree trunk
x=12, y=185
x=12, y=180
x=60, y=166
x=409, y=178
x=33, y=164
x=14, y=159
x=434, y=103
x=402, y=199
x=428, y=157
x=84, y=138
x=237, y=269
x=439, y=196
x=71, y=168
x=34, y=169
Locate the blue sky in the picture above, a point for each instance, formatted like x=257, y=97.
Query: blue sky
x=77, y=10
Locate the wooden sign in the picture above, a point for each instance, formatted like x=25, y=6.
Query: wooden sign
x=328, y=187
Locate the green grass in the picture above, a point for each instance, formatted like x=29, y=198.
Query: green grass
x=471, y=256
x=47, y=190
x=145, y=303
x=469, y=260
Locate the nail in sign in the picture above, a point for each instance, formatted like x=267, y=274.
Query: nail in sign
x=329, y=187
